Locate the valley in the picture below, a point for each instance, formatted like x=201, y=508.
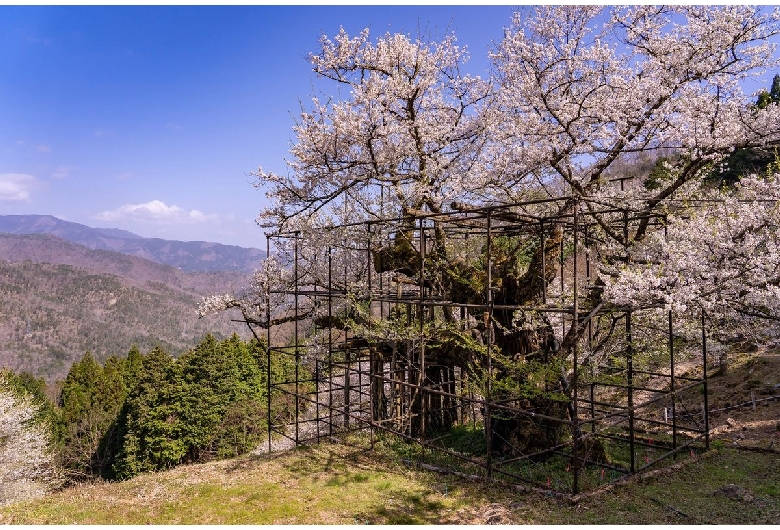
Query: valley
x=59, y=299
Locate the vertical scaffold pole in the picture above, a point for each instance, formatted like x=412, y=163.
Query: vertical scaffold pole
x=563, y=290
x=297, y=351
x=629, y=357
x=421, y=317
x=704, y=375
x=630, y=381
x=544, y=262
x=589, y=279
x=330, y=341
x=488, y=320
x=372, y=376
x=672, y=386
x=575, y=382
x=268, y=346
x=396, y=390
x=317, y=370
x=347, y=350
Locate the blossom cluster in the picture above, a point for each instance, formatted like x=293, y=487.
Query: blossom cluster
x=719, y=254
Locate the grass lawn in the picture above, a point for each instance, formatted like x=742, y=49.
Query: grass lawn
x=345, y=484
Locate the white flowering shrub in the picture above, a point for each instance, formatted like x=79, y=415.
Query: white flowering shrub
x=27, y=467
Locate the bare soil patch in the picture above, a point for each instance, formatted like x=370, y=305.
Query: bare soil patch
x=744, y=402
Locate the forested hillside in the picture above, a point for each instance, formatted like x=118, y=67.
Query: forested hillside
x=59, y=299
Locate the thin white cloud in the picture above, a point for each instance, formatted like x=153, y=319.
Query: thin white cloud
x=173, y=126
x=156, y=211
x=15, y=187
x=124, y=176
x=32, y=147
x=62, y=172
x=100, y=133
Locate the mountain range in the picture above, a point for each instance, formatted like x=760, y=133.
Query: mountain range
x=59, y=299
x=189, y=256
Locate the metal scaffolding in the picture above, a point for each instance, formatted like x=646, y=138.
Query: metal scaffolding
x=404, y=383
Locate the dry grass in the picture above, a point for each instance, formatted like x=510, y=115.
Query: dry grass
x=340, y=484
x=349, y=484
x=328, y=484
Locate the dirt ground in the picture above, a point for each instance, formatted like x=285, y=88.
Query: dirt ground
x=743, y=399
x=734, y=419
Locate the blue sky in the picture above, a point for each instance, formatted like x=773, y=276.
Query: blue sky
x=151, y=118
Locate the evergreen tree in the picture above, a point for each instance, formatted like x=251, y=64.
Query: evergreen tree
x=764, y=99
x=244, y=421
x=206, y=374
x=113, y=392
x=208, y=404
x=89, y=402
x=774, y=91
x=224, y=397
x=133, y=367
x=150, y=426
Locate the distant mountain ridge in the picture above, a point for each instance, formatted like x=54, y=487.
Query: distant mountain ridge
x=189, y=256
x=59, y=299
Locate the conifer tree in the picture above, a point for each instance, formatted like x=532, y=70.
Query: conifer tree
x=150, y=424
x=223, y=398
x=774, y=91
x=88, y=405
x=210, y=403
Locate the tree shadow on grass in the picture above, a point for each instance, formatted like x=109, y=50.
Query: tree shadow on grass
x=404, y=508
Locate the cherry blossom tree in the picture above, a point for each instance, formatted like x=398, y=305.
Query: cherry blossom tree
x=574, y=91
x=26, y=461
x=406, y=139
x=577, y=88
